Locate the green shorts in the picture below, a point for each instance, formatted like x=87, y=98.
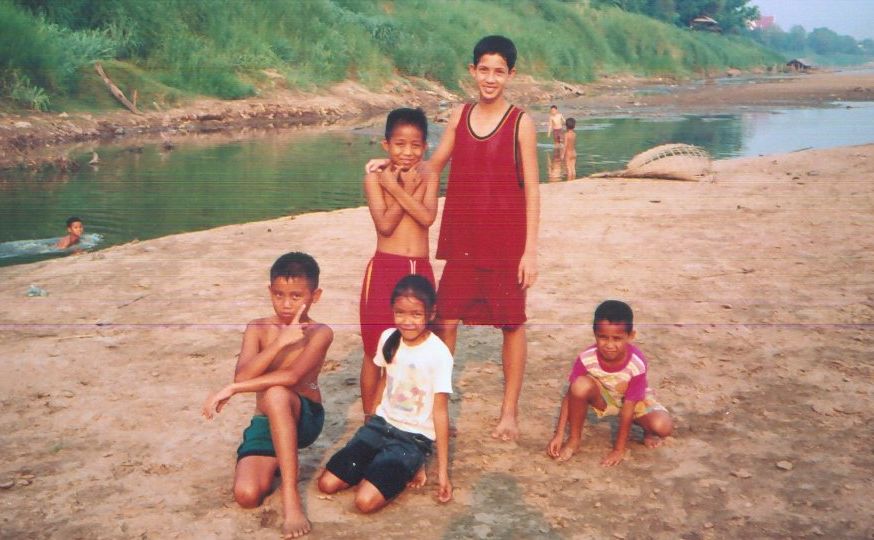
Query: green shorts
x=258, y=442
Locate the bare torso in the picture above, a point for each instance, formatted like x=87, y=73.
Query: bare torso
x=556, y=121
x=308, y=386
x=409, y=238
x=570, y=141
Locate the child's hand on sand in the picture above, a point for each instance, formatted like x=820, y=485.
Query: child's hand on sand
x=554, y=446
x=444, y=490
x=615, y=457
x=375, y=165
x=216, y=402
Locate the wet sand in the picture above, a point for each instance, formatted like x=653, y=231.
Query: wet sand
x=754, y=299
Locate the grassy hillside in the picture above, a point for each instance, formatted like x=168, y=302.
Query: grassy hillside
x=168, y=49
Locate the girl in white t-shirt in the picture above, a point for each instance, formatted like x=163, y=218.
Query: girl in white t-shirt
x=388, y=452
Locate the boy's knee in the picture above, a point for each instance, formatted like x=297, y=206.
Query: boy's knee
x=583, y=387
x=277, y=396
x=662, y=425
x=247, y=495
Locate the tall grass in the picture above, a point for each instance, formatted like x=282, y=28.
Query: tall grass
x=221, y=47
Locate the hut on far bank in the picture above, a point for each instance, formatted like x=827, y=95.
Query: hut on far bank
x=799, y=64
x=705, y=23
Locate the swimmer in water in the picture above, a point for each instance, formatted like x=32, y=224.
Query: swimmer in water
x=75, y=228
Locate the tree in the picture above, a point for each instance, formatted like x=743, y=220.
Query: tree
x=797, y=39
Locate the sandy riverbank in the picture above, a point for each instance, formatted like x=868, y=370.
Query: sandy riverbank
x=755, y=301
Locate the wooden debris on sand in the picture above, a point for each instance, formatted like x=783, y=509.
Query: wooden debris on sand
x=667, y=161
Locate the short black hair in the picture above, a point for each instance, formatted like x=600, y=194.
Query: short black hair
x=406, y=117
x=614, y=311
x=73, y=219
x=294, y=265
x=495, y=45
x=570, y=123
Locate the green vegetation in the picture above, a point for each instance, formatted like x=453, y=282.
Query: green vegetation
x=731, y=15
x=821, y=46
x=167, y=49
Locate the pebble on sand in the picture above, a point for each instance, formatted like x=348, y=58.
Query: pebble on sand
x=785, y=465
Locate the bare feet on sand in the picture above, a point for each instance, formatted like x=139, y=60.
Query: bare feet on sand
x=568, y=450
x=419, y=480
x=296, y=524
x=651, y=440
x=506, y=430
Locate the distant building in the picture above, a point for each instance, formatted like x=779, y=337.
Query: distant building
x=799, y=64
x=705, y=23
x=763, y=23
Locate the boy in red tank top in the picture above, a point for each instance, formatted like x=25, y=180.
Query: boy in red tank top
x=488, y=234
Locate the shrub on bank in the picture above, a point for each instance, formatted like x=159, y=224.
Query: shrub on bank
x=222, y=47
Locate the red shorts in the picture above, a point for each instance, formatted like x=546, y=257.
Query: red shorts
x=481, y=296
x=382, y=274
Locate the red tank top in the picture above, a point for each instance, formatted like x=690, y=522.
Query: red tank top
x=484, y=213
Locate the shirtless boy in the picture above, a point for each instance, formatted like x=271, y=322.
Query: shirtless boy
x=555, y=126
x=75, y=229
x=569, y=151
x=280, y=361
x=488, y=235
x=402, y=198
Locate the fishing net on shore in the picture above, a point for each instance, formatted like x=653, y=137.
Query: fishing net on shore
x=667, y=161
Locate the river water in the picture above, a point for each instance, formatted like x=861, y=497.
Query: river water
x=148, y=192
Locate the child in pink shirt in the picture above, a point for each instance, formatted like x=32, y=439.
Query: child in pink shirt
x=611, y=377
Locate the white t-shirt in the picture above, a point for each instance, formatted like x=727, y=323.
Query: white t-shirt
x=414, y=375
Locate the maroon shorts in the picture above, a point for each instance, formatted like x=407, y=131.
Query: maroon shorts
x=557, y=136
x=382, y=274
x=481, y=296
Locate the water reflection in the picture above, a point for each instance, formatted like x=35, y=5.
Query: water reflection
x=147, y=192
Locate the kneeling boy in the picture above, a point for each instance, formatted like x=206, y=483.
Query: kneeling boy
x=280, y=361
x=611, y=377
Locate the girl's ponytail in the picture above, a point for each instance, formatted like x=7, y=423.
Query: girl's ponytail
x=390, y=347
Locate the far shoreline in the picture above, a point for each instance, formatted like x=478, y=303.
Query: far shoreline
x=45, y=140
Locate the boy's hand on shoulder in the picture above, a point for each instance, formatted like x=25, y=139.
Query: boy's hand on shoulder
x=615, y=457
x=375, y=165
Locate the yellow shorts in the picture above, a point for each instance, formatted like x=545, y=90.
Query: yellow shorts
x=643, y=407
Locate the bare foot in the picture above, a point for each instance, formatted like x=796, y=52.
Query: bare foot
x=652, y=441
x=419, y=480
x=506, y=430
x=568, y=450
x=296, y=525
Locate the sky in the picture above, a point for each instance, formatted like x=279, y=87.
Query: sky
x=846, y=17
